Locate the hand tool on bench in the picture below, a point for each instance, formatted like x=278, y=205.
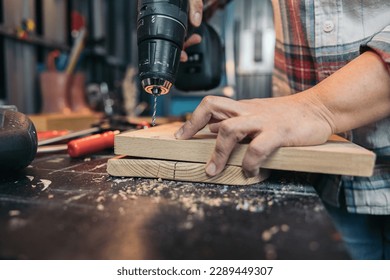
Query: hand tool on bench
x=102, y=136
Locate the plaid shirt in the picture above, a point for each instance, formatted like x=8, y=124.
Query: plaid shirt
x=315, y=38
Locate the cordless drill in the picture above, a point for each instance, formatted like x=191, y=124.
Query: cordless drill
x=161, y=31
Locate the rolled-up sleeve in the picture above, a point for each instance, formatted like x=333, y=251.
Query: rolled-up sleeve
x=379, y=43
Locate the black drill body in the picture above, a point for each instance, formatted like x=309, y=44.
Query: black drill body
x=161, y=32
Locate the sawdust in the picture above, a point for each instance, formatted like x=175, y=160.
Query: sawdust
x=74, y=198
x=56, y=160
x=14, y=213
x=100, y=207
x=199, y=201
x=31, y=178
x=198, y=198
x=97, y=167
x=16, y=223
x=46, y=183
x=99, y=179
x=268, y=234
x=121, y=180
x=285, y=228
x=270, y=252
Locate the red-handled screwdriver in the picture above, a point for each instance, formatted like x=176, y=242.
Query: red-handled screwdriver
x=91, y=144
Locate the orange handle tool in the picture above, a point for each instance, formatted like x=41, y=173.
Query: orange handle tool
x=91, y=144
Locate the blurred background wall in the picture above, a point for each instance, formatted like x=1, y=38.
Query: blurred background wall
x=30, y=30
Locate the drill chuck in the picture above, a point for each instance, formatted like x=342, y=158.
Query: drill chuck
x=161, y=31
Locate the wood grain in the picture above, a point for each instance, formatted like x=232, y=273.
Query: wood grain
x=337, y=156
x=180, y=171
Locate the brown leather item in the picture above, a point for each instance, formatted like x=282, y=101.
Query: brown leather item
x=77, y=94
x=63, y=93
x=55, y=92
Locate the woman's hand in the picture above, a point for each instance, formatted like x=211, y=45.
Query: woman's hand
x=295, y=120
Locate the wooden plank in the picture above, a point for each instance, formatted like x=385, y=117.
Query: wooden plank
x=180, y=171
x=74, y=121
x=337, y=156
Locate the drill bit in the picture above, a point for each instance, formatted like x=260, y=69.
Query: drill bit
x=156, y=92
x=154, y=111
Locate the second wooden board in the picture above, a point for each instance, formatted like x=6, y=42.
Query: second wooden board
x=180, y=171
x=337, y=156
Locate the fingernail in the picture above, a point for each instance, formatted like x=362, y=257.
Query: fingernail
x=179, y=133
x=197, y=18
x=211, y=169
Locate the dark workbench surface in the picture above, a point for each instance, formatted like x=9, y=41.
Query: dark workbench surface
x=62, y=208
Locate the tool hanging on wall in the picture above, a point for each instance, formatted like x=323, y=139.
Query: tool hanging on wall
x=27, y=25
x=76, y=51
